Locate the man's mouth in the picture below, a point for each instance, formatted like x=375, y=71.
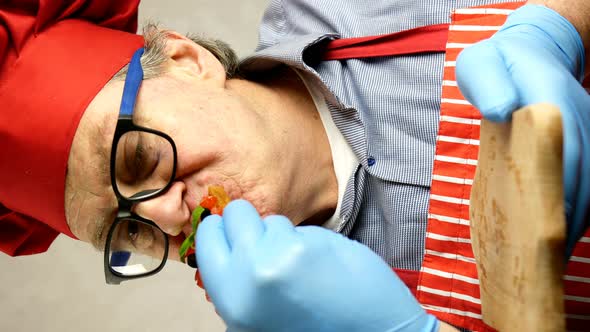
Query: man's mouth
x=213, y=203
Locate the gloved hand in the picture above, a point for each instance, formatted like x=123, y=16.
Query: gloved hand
x=267, y=275
x=537, y=56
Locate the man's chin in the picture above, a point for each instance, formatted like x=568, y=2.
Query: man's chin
x=174, y=246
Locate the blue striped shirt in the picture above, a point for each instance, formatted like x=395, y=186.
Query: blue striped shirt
x=387, y=109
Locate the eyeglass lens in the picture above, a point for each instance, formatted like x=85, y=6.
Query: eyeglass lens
x=144, y=162
x=136, y=248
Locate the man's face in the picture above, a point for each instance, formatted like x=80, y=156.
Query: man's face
x=221, y=139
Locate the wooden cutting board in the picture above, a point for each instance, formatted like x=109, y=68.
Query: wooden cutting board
x=518, y=222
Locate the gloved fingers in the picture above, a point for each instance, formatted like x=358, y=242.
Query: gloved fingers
x=322, y=233
x=278, y=224
x=572, y=151
x=279, y=249
x=212, y=251
x=243, y=225
x=555, y=85
x=576, y=163
x=278, y=231
x=327, y=238
x=580, y=218
x=539, y=89
x=484, y=80
x=583, y=200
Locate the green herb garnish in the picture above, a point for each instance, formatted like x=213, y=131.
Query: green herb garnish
x=189, y=242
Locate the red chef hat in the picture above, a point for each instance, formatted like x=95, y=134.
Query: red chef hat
x=55, y=56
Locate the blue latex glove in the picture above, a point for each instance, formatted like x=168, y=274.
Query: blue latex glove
x=537, y=56
x=266, y=275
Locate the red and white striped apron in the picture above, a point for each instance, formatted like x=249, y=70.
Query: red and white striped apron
x=447, y=284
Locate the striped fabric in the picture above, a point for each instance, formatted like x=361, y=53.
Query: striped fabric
x=389, y=110
x=448, y=285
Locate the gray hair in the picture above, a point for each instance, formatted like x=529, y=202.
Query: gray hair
x=154, y=56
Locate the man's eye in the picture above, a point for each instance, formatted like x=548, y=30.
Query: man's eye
x=138, y=162
x=140, y=236
x=136, y=159
x=139, y=158
x=145, y=161
x=132, y=231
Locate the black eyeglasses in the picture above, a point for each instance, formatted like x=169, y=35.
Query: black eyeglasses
x=143, y=166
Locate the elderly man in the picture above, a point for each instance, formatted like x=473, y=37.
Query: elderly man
x=322, y=133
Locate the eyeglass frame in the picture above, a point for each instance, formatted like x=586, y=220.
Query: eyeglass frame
x=124, y=125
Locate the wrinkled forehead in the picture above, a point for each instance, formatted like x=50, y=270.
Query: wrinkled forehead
x=88, y=186
x=97, y=126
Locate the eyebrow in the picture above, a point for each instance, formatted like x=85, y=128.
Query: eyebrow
x=103, y=150
x=97, y=239
x=104, y=164
x=102, y=225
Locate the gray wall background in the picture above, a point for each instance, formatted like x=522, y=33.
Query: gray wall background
x=64, y=289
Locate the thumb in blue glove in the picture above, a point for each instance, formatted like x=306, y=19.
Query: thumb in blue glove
x=537, y=56
x=267, y=275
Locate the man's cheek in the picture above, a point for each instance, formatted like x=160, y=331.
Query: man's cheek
x=174, y=243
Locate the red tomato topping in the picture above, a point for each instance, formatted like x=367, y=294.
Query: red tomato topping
x=200, y=284
x=199, y=280
x=208, y=202
x=217, y=210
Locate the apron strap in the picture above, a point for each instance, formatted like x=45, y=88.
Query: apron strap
x=426, y=39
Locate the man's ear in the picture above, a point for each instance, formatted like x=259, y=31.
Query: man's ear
x=193, y=58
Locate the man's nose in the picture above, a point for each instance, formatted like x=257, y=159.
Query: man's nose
x=168, y=210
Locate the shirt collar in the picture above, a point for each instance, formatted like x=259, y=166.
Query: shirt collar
x=344, y=159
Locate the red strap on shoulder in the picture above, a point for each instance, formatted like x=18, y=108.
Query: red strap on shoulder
x=430, y=38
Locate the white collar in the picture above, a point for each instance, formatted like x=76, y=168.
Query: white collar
x=345, y=161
